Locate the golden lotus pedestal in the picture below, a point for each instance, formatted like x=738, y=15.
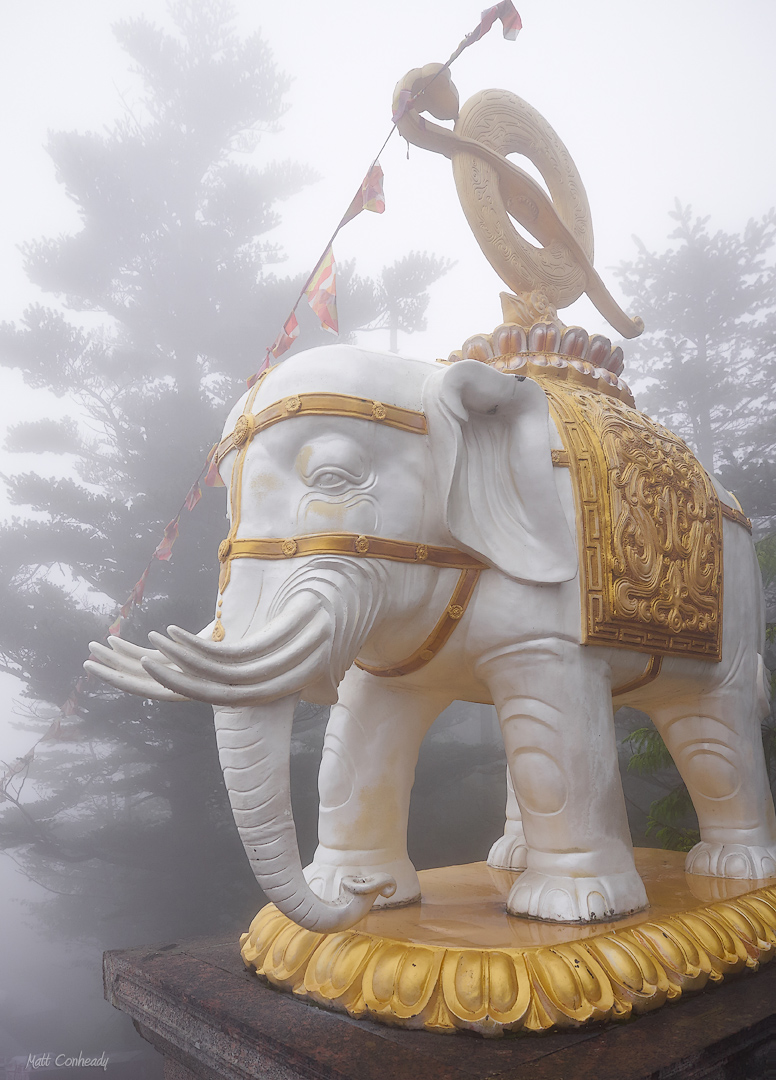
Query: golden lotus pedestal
x=459, y=961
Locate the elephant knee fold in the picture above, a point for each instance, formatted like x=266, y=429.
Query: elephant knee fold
x=710, y=772
x=539, y=781
x=336, y=779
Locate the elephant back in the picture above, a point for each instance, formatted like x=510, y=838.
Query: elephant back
x=649, y=522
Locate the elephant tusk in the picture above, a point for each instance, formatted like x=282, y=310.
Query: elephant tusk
x=140, y=685
x=296, y=611
x=122, y=659
x=254, y=671
x=223, y=694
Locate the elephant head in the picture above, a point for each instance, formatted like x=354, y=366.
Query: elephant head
x=347, y=473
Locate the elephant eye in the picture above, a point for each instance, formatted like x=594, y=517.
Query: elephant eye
x=332, y=480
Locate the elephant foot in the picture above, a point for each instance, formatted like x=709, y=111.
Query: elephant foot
x=324, y=879
x=731, y=861
x=509, y=852
x=577, y=899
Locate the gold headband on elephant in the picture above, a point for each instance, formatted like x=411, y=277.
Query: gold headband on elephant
x=371, y=547
x=321, y=404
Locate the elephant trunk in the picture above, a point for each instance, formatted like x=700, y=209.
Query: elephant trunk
x=254, y=750
x=310, y=633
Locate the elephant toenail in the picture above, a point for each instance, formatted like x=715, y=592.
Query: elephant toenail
x=737, y=866
x=596, y=906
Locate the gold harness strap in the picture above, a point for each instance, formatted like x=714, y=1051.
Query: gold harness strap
x=439, y=635
x=373, y=547
x=249, y=424
x=370, y=547
x=341, y=543
x=648, y=675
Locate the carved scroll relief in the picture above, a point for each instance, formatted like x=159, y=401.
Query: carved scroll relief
x=650, y=529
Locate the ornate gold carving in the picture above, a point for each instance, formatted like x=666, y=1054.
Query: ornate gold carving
x=378, y=411
x=569, y=981
x=455, y=611
x=561, y=459
x=362, y=545
x=527, y=308
x=563, y=352
x=650, y=529
x=243, y=429
x=293, y=404
x=224, y=549
x=421, y=552
x=218, y=631
x=288, y=547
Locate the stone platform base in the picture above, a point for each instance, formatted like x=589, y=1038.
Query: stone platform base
x=458, y=962
x=213, y=1020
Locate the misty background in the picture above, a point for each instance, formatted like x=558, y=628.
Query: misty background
x=122, y=352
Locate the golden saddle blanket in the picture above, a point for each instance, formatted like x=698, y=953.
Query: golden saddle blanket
x=650, y=529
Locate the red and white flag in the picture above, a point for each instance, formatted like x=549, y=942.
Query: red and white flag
x=285, y=338
x=264, y=367
x=510, y=21
x=369, y=196
x=164, y=548
x=193, y=497
x=212, y=477
x=136, y=596
x=321, y=293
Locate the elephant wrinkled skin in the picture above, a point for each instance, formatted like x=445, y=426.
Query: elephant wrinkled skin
x=480, y=481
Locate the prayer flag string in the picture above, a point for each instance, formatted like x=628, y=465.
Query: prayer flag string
x=370, y=196
x=320, y=290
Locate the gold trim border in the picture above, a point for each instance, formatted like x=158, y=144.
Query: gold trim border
x=320, y=404
x=602, y=622
x=489, y=991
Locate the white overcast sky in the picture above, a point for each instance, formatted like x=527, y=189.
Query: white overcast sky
x=654, y=100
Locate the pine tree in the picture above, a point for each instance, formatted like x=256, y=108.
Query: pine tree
x=173, y=266
x=708, y=363
x=708, y=354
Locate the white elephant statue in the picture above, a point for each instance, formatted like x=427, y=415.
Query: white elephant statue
x=407, y=533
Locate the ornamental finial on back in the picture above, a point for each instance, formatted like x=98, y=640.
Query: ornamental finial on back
x=495, y=193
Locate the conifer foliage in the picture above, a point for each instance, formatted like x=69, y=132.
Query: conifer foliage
x=706, y=366
x=708, y=355
x=162, y=305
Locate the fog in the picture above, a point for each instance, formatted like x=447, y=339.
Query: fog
x=654, y=102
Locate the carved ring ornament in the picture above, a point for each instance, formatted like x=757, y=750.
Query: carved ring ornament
x=493, y=191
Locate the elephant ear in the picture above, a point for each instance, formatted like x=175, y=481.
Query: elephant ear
x=490, y=440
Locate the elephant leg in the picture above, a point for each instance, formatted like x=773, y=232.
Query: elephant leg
x=554, y=704
x=509, y=852
x=716, y=743
x=367, y=771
